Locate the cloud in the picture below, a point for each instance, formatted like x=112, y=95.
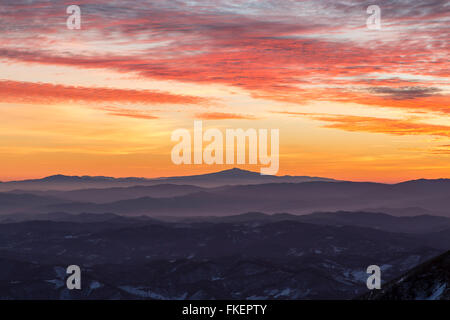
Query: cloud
x=222, y=115
x=383, y=125
x=405, y=92
x=131, y=113
x=399, y=127
x=285, y=51
x=442, y=150
x=30, y=92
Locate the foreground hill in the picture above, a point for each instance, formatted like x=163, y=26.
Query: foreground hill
x=137, y=258
x=428, y=281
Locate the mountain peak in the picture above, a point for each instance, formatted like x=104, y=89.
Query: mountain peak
x=58, y=177
x=236, y=172
x=66, y=178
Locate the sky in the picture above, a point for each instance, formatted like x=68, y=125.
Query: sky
x=350, y=102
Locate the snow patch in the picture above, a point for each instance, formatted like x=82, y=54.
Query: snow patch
x=437, y=292
x=284, y=293
x=58, y=283
x=145, y=293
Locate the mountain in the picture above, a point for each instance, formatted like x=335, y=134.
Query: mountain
x=62, y=182
x=439, y=239
x=24, y=201
x=240, y=177
x=428, y=281
x=296, y=198
x=26, y=280
x=104, y=195
x=423, y=224
x=227, y=177
x=432, y=229
x=79, y=218
x=246, y=260
x=380, y=221
x=183, y=196
x=405, y=211
x=177, y=238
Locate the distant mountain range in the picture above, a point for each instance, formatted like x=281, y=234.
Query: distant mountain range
x=227, y=177
x=380, y=221
x=430, y=197
x=232, y=234
x=222, y=193
x=418, y=225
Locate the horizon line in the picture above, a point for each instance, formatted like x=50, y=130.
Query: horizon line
x=212, y=172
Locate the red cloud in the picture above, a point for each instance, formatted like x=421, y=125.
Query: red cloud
x=271, y=55
x=27, y=92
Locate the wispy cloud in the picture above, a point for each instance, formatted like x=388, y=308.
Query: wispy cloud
x=131, y=113
x=442, y=149
x=274, y=50
x=29, y=92
x=223, y=115
x=399, y=127
x=405, y=92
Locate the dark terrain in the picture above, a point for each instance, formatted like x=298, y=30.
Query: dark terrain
x=182, y=239
x=137, y=258
x=428, y=281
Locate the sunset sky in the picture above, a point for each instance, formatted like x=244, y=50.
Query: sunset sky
x=350, y=103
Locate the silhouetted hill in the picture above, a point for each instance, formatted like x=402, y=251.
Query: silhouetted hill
x=227, y=177
x=428, y=281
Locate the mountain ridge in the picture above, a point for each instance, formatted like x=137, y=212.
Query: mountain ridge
x=231, y=173
x=188, y=200
x=427, y=281
x=233, y=176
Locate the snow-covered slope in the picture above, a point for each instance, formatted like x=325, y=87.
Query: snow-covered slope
x=428, y=281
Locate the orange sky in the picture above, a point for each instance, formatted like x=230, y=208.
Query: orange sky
x=350, y=103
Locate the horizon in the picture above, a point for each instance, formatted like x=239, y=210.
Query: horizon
x=212, y=172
